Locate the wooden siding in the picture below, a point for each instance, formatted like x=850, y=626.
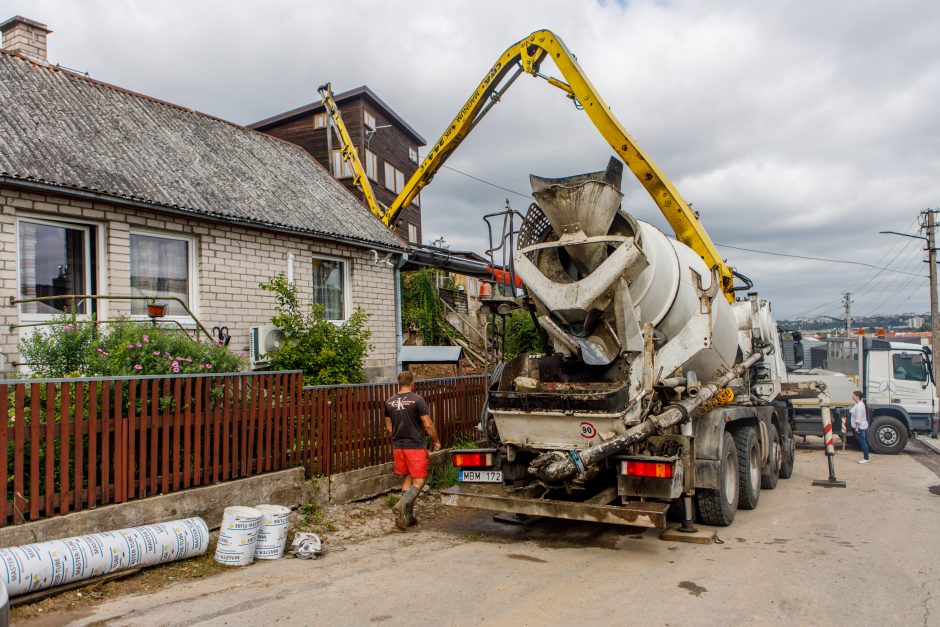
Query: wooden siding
x=389, y=144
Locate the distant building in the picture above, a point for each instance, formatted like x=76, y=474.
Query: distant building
x=915, y=322
x=387, y=145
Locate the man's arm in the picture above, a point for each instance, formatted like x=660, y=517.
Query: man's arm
x=432, y=432
x=388, y=425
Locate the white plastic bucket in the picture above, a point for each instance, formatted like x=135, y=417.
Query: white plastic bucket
x=48, y=564
x=237, y=536
x=272, y=537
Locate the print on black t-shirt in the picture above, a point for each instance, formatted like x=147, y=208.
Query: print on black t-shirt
x=406, y=410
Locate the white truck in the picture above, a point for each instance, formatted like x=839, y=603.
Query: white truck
x=896, y=379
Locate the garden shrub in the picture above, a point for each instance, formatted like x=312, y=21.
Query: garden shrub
x=327, y=352
x=521, y=335
x=60, y=350
x=422, y=309
x=122, y=348
x=129, y=348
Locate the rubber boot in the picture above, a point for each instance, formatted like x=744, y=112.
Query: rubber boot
x=403, y=508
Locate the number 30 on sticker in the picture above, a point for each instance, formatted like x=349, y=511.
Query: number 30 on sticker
x=588, y=430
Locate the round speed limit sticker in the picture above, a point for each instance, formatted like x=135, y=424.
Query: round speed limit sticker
x=587, y=430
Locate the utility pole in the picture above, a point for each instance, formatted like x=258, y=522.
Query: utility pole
x=847, y=301
x=932, y=263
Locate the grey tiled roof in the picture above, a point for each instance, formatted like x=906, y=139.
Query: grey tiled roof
x=65, y=130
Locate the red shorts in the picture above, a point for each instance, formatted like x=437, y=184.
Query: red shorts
x=411, y=461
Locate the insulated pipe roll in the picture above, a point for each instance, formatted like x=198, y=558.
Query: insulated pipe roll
x=33, y=567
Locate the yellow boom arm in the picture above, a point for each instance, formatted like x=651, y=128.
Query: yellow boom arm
x=348, y=151
x=527, y=56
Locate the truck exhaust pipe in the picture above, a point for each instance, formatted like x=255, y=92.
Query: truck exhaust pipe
x=555, y=466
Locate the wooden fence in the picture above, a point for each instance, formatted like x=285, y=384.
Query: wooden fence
x=73, y=444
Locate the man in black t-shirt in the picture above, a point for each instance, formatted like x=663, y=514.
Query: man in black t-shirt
x=407, y=420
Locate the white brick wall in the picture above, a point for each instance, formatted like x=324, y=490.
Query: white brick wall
x=231, y=262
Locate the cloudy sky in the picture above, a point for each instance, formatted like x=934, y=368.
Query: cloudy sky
x=802, y=128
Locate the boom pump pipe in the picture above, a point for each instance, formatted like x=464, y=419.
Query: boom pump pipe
x=562, y=469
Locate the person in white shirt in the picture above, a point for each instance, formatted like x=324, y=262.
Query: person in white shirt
x=859, y=414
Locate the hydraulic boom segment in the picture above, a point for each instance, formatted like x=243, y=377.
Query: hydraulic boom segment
x=348, y=151
x=527, y=56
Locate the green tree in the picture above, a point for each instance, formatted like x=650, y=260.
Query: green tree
x=422, y=309
x=521, y=335
x=327, y=352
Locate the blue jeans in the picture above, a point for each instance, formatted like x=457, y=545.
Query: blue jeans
x=863, y=440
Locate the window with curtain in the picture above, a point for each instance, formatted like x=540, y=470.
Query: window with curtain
x=53, y=261
x=329, y=287
x=159, y=268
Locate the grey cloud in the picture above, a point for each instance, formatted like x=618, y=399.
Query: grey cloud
x=799, y=127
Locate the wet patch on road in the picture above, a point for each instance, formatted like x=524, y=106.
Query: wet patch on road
x=693, y=588
x=526, y=558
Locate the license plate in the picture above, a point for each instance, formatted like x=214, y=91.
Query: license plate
x=481, y=476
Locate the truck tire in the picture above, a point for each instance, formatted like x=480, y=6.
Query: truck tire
x=718, y=507
x=788, y=450
x=771, y=473
x=887, y=435
x=748, y=447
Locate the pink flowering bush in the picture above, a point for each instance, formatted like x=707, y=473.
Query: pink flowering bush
x=59, y=350
x=69, y=348
x=137, y=348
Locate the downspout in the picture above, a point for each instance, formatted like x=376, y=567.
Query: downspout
x=399, y=338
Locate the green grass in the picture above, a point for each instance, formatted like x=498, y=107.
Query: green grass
x=443, y=477
x=390, y=500
x=310, y=514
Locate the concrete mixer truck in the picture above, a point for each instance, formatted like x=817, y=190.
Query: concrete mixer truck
x=658, y=385
x=653, y=389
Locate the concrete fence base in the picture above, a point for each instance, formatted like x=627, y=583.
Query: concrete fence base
x=283, y=487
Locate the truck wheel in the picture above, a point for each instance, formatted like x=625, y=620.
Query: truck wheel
x=887, y=435
x=748, y=467
x=788, y=450
x=771, y=473
x=718, y=507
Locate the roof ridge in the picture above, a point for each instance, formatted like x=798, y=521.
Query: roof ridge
x=130, y=92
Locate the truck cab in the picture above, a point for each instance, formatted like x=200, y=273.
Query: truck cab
x=898, y=383
x=896, y=379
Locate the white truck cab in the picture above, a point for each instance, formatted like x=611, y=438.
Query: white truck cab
x=897, y=381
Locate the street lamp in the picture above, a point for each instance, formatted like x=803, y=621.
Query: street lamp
x=932, y=263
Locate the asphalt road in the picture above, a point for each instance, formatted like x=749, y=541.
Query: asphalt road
x=867, y=554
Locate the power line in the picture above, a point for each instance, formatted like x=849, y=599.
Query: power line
x=845, y=261
x=485, y=182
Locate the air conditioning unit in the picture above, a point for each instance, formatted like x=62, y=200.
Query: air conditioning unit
x=263, y=341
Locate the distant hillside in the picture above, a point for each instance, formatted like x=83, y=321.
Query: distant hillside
x=825, y=323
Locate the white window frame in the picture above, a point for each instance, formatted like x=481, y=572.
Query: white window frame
x=347, y=284
x=417, y=200
x=67, y=223
x=319, y=120
x=368, y=120
x=413, y=233
x=372, y=165
x=185, y=320
x=413, y=154
x=342, y=169
x=396, y=182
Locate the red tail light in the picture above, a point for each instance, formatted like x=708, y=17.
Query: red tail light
x=471, y=460
x=656, y=470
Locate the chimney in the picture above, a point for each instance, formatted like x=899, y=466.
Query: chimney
x=25, y=37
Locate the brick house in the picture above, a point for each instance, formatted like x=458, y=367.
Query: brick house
x=108, y=192
x=387, y=145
